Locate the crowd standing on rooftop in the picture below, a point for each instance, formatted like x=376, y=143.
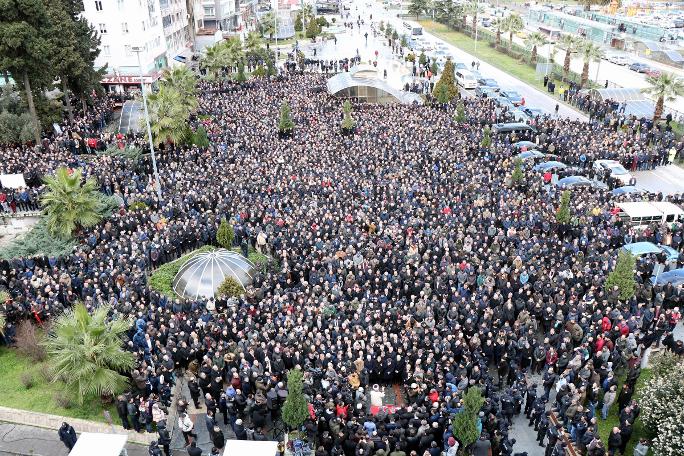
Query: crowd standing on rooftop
x=403, y=254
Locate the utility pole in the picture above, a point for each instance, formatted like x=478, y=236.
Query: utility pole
x=157, y=183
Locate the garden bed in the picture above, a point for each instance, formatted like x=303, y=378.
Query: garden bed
x=41, y=396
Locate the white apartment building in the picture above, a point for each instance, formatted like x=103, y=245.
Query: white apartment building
x=124, y=25
x=161, y=29
x=221, y=14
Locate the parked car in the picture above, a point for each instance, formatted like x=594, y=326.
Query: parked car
x=617, y=171
x=580, y=181
x=619, y=59
x=533, y=112
x=652, y=72
x=675, y=277
x=488, y=82
x=485, y=92
x=504, y=102
x=550, y=166
x=525, y=144
x=639, y=67
x=645, y=248
x=460, y=66
x=512, y=95
x=529, y=155
x=626, y=190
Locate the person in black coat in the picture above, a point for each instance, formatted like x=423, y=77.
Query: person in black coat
x=614, y=441
x=122, y=411
x=67, y=435
x=193, y=450
x=218, y=439
x=165, y=440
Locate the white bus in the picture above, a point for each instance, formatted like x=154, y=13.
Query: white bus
x=643, y=213
x=465, y=79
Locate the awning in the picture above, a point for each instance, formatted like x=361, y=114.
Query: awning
x=179, y=58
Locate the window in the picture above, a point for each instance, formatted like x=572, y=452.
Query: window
x=120, y=3
x=106, y=51
x=103, y=28
x=209, y=10
x=98, y=5
x=128, y=50
x=143, y=25
x=124, y=27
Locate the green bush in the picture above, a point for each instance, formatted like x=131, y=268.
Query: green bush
x=161, y=280
x=200, y=137
x=518, y=175
x=128, y=152
x=313, y=29
x=225, y=234
x=447, y=80
x=299, y=24
x=563, y=214
x=285, y=124
x=37, y=242
x=137, y=206
x=27, y=379
x=295, y=409
x=623, y=276
x=230, y=288
x=322, y=22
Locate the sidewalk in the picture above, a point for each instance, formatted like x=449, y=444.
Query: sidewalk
x=53, y=423
x=21, y=440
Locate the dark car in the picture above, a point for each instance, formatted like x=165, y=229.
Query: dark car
x=675, y=277
x=639, y=67
x=488, y=82
x=485, y=92
x=513, y=96
x=533, y=112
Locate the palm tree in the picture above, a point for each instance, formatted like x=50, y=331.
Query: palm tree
x=70, y=204
x=231, y=53
x=253, y=43
x=498, y=32
x=472, y=8
x=211, y=61
x=512, y=24
x=180, y=78
x=85, y=351
x=666, y=87
x=569, y=43
x=590, y=53
x=533, y=41
x=307, y=14
x=267, y=25
x=168, y=116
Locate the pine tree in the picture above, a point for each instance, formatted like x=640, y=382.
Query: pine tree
x=447, y=80
x=518, y=174
x=460, y=116
x=200, y=138
x=295, y=409
x=225, y=234
x=25, y=49
x=286, y=124
x=464, y=424
x=441, y=94
x=299, y=24
x=623, y=276
x=563, y=213
x=486, y=138
x=348, y=122
x=313, y=29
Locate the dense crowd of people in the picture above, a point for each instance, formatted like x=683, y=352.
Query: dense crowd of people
x=402, y=254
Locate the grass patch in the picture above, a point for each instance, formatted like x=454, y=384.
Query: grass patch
x=490, y=55
x=41, y=396
x=253, y=256
x=613, y=420
x=162, y=279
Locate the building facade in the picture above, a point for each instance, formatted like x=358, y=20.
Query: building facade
x=221, y=14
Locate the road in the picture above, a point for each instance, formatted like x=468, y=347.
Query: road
x=665, y=179
x=130, y=117
x=533, y=97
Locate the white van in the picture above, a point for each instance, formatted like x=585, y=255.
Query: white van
x=465, y=79
x=643, y=213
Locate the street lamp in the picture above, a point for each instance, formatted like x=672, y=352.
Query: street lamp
x=157, y=182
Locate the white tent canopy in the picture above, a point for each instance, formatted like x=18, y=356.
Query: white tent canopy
x=250, y=447
x=90, y=444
